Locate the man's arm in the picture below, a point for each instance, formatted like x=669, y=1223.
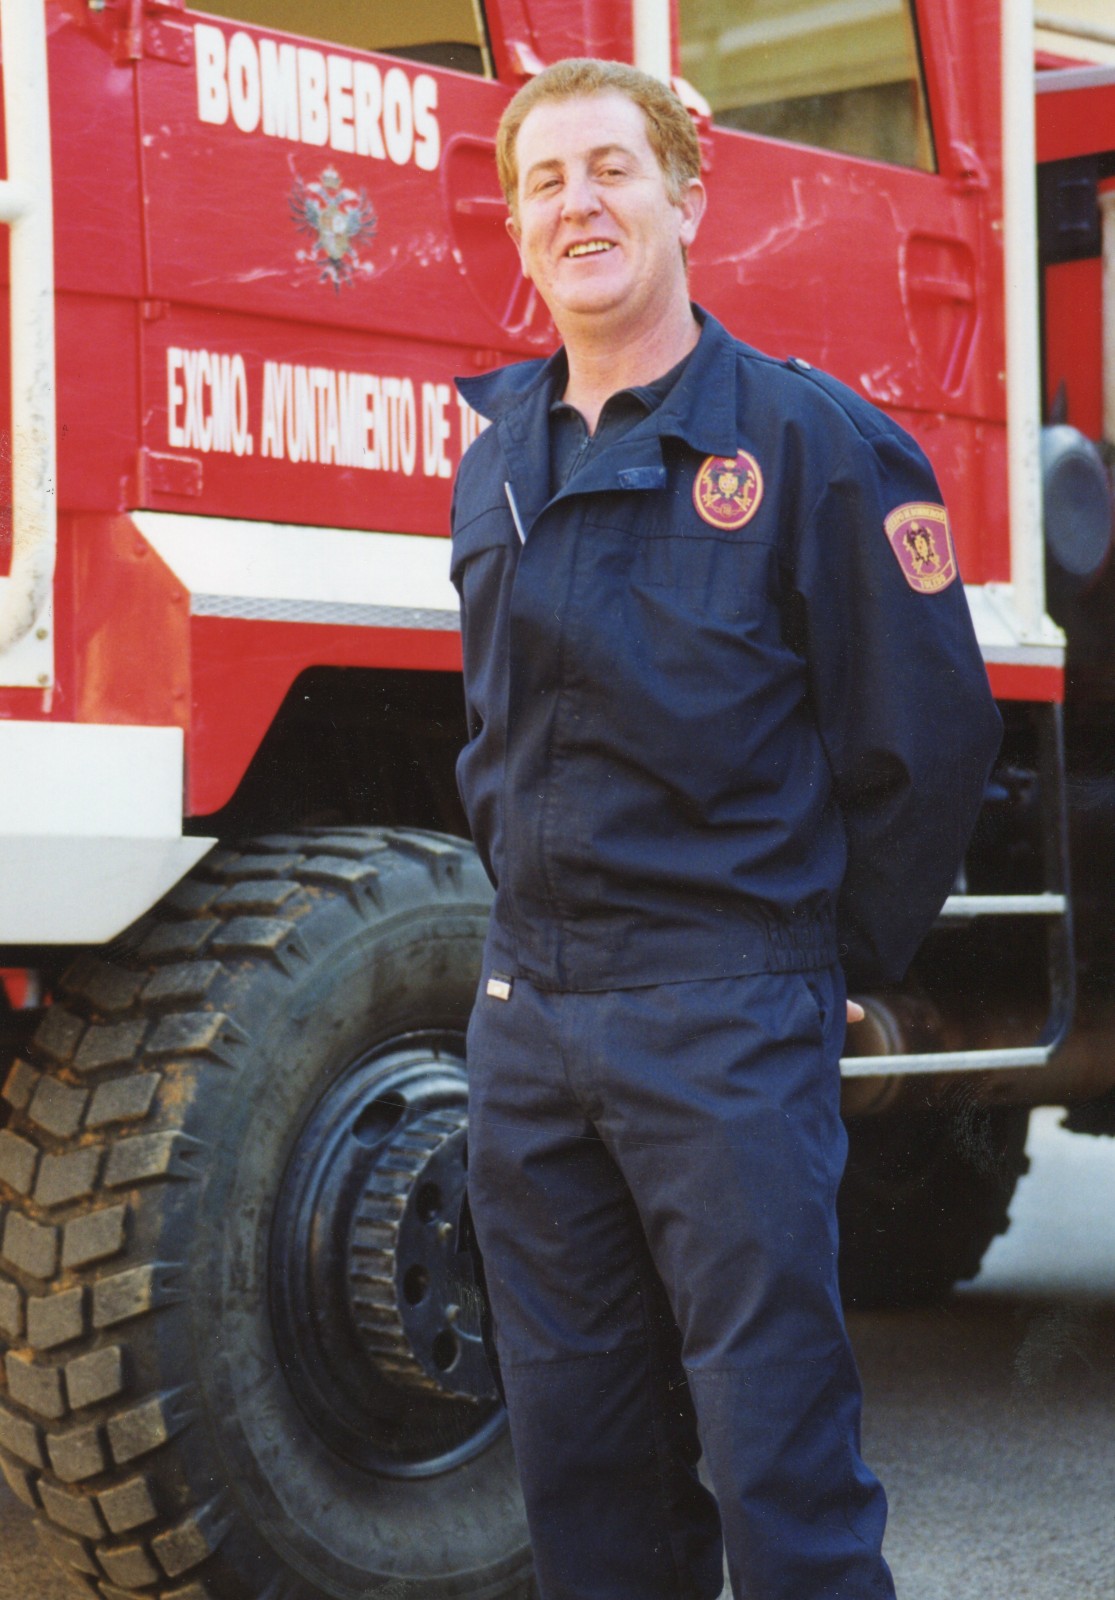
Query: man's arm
x=476, y=783
x=900, y=695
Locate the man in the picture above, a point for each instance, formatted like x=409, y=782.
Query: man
x=729, y=731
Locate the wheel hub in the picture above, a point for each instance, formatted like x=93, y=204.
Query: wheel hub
x=375, y=1316
x=418, y=1321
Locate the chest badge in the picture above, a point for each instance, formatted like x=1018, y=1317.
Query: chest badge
x=728, y=490
x=920, y=538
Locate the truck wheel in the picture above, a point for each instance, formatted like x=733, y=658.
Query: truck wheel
x=924, y=1194
x=243, y=1356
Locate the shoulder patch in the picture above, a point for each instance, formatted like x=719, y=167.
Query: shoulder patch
x=919, y=535
x=728, y=490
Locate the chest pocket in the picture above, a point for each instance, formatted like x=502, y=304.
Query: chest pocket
x=691, y=570
x=489, y=530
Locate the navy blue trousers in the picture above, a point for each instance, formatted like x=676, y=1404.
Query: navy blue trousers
x=652, y=1179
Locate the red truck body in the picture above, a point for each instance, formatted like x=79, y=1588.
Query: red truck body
x=238, y=960
x=213, y=361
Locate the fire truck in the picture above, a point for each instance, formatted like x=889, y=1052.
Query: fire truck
x=248, y=250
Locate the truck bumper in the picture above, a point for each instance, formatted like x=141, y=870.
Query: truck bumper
x=90, y=828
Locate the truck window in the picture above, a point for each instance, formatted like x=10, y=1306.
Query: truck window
x=439, y=33
x=843, y=75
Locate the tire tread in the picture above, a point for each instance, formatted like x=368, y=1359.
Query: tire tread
x=96, y=1149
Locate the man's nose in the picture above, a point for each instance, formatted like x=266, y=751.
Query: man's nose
x=580, y=198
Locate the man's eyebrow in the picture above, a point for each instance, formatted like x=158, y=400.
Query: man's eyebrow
x=609, y=150
x=552, y=164
x=555, y=163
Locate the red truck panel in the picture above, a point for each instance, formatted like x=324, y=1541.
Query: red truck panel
x=273, y=254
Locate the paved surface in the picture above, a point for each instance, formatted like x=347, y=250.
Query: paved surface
x=990, y=1421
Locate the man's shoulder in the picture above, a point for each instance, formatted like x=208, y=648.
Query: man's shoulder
x=790, y=389
x=492, y=395
x=819, y=399
x=478, y=484
x=792, y=411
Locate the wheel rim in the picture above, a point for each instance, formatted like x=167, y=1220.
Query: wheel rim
x=375, y=1316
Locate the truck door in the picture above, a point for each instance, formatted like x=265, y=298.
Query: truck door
x=325, y=250
x=842, y=228
x=322, y=205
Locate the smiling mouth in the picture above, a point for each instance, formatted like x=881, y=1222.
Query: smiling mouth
x=592, y=247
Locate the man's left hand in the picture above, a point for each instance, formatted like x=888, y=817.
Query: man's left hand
x=856, y=1012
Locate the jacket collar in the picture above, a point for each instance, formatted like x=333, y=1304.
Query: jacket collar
x=701, y=409
x=495, y=394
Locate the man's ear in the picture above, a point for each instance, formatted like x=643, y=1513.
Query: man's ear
x=516, y=237
x=692, y=206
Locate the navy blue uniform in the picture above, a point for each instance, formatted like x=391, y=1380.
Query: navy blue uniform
x=728, y=734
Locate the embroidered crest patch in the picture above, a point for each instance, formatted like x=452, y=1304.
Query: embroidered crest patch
x=920, y=538
x=727, y=490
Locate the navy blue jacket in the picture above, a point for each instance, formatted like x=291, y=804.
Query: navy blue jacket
x=713, y=735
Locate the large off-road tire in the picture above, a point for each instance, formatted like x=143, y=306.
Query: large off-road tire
x=924, y=1194
x=242, y=1357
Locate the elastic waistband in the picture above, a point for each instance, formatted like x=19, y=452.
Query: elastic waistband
x=593, y=957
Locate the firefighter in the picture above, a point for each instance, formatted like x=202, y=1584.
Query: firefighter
x=728, y=733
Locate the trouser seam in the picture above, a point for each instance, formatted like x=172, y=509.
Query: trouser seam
x=583, y=1355
x=696, y=1371
x=685, y=1590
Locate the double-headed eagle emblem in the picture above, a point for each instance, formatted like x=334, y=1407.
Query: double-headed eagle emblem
x=337, y=219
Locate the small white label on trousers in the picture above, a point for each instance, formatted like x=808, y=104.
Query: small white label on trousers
x=499, y=987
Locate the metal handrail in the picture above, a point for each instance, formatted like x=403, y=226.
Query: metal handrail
x=966, y=907
x=1054, y=903
x=1076, y=27
x=27, y=207
x=651, y=24
x=1023, y=366
x=1034, y=1055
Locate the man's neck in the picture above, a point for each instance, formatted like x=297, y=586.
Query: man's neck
x=601, y=363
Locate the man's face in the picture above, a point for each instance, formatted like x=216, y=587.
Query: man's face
x=597, y=232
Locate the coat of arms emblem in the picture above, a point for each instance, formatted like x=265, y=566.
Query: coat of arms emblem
x=337, y=219
x=727, y=490
x=920, y=538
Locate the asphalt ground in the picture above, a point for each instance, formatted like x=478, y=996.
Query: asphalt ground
x=990, y=1421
